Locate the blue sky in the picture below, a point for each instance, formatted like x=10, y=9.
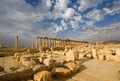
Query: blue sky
x=86, y=20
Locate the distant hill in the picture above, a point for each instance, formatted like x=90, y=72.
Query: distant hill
x=112, y=41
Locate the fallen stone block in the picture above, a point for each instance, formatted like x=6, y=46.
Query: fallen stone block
x=29, y=63
x=72, y=55
x=48, y=61
x=102, y=57
x=43, y=76
x=72, y=66
x=89, y=55
x=39, y=67
x=118, y=51
x=35, y=59
x=63, y=71
x=42, y=58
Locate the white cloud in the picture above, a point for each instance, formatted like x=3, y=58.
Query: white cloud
x=116, y=7
x=85, y=4
x=90, y=23
x=109, y=32
x=74, y=25
x=96, y=15
x=69, y=13
x=64, y=25
x=48, y=3
x=108, y=11
x=61, y=4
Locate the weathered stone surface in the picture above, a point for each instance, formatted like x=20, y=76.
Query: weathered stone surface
x=21, y=75
x=63, y=71
x=39, y=67
x=118, y=51
x=72, y=55
x=48, y=61
x=43, y=76
x=82, y=55
x=94, y=53
x=115, y=57
x=41, y=59
x=29, y=63
x=72, y=66
x=102, y=57
x=35, y=59
x=89, y=55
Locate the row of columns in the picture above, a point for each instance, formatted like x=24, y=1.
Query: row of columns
x=53, y=42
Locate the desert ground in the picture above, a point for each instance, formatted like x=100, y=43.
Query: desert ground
x=91, y=70
x=75, y=61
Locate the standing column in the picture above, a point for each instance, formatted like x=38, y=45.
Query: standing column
x=16, y=42
x=55, y=42
x=50, y=42
x=47, y=42
x=44, y=42
x=37, y=42
x=40, y=42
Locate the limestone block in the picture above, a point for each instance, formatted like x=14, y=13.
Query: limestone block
x=63, y=72
x=39, y=67
x=107, y=57
x=72, y=66
x=35, y=59
x=48, y=61
x=29, y=63
x=17, y=54
x=102, y=57
x=81, y=55
x=42, y=58
x=89, y=55
x=118, y=51
x=18, y=58
x=43, y=76
x=115, y=57
x=94, y=53
x=72, y=55
x=22, y=59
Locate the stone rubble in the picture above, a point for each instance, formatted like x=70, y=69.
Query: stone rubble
x=50, y=61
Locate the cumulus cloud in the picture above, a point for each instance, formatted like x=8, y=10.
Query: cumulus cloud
x=50, y=17
x=64, y=25
x=85, y=4
x=69, y=13
x=109, y=32
x=96, y=15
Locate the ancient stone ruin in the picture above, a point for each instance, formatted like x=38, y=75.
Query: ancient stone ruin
x=53, y=58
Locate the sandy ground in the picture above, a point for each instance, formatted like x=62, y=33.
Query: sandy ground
x=96, y=70
x=91, y=70
x=8, y=62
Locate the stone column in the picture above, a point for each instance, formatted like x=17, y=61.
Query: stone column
x=55, y=42
x=50, y=42
x=37, y=42
x=47, y=42
x=44, y=42
x=16, y=42
x=40, y=42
